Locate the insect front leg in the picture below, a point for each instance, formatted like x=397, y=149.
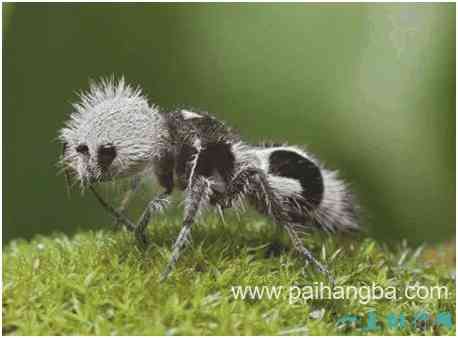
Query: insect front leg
x=197, y=195
x=155, y=206
x=119, y=216
x=133, y=188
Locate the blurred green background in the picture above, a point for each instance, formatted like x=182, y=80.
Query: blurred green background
x=369, y=88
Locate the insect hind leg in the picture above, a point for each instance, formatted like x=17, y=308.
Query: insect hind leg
x=253, y=183
x=296, y=239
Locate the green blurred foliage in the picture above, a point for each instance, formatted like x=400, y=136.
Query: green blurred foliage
x=369, y=88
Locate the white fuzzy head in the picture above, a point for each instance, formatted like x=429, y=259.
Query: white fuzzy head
x=112, y=132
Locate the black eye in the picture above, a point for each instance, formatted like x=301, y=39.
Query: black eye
x=106, y=155
x=82, y=149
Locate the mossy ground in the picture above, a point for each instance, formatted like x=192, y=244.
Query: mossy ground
x=101, y=283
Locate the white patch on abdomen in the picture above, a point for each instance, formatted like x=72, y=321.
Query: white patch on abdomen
x=285, y=185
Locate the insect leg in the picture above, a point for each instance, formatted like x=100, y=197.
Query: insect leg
x=299, y=246
x=155, y=206
x=133, y=188
x=197, y=195
x=119, y=216
x=253, y=182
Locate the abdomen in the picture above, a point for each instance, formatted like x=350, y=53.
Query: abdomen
x=310, y=194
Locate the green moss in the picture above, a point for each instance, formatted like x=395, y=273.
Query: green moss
x=101, y=283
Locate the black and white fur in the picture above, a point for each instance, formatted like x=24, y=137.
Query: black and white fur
x=113, y=132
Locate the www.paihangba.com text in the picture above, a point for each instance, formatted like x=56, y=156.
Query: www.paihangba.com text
x=364, y=293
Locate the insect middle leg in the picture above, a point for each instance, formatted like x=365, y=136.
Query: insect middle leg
x=155, y=206
x=197, y=195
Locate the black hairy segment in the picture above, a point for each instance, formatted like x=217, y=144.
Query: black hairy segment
x=292, y=165
x=216, y=159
